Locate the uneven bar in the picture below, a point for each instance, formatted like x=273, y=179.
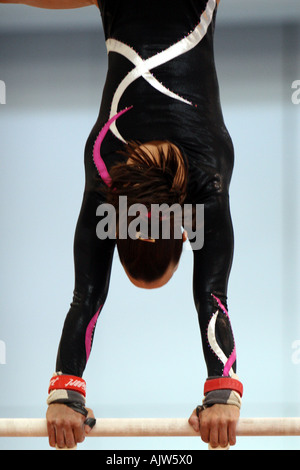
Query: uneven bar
x=134, y=427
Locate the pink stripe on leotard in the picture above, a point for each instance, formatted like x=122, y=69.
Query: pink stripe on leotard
x=100, y=165
x=89, y=333
x=229, y=363
x=232, y=356
x=220, y=304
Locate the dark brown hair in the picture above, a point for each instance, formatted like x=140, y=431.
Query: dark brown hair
x=148, y=180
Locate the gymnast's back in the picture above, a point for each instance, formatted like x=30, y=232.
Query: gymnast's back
x=161, y=65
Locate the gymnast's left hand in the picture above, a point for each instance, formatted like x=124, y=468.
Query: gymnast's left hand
x=216, y=424
x=66, y=427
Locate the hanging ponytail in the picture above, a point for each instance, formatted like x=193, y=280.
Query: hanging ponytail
x=148, y=180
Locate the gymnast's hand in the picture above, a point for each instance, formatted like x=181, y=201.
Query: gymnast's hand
x=216, y=424
x=65, y=426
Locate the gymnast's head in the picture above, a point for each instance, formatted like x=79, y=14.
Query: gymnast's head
x=153, y=174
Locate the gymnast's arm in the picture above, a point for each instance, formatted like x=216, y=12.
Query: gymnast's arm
x=212, y=264
x=93, y=262
x=54, y=4
x=93, y=259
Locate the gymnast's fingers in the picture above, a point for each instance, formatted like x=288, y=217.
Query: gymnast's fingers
x=194, y=421
x=232, y=432
x=51, y=434
x=90, y=421
x=60, y=437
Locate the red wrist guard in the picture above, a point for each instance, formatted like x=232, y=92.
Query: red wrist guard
x=67, y=382
x=225, y=383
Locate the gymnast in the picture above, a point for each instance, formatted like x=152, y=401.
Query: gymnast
x=159, y=138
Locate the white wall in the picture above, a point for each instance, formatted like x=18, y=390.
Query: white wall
x=147, y=356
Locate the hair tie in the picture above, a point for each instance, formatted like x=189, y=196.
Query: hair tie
x=149, y=239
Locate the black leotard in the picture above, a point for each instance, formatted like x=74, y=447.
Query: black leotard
x=161, y=70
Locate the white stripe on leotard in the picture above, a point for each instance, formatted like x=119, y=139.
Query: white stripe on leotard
x=143, y=67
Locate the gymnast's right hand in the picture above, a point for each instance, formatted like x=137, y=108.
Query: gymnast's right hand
x=65, y=426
